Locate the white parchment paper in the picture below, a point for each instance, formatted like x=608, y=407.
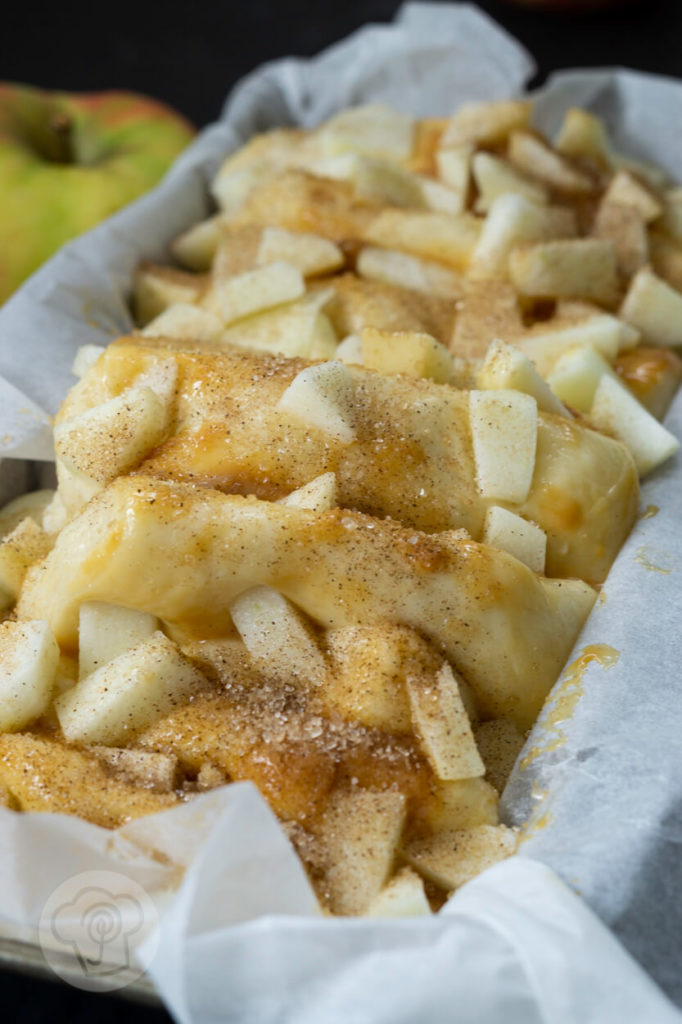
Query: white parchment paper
x=240, y=936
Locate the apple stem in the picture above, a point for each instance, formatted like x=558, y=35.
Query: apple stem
x=60, y=130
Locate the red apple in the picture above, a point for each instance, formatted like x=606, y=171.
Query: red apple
x=68, y=161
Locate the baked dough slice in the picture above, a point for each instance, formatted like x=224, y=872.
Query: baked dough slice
x=184, y=553
x=411, y=459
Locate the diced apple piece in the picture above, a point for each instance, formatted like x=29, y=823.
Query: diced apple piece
x=277, y=637
x=340, y=167
x=311, y=254
x=625, y=190
x=450, y=859
x=672, y=213
x=654, y=308
x=463, y=804
x=323, y=397
x=295, y=329
x=625, y=228
x=111, y=438
x=580, y=268
x=391, y=266
x=85, y=359
x=488, y=309
x=28, y=665
x=582, y=135
x=369, y=666
x=232, y=185
x=438, y=197
x=454, y=169
x=196, y=247
x=576, y=374
x=360, y=832
x=349, y=350
x=409, y=352
x=504, y=432
x=320, y=494
x=508, y=532
x=373, y=130
x=261, y=289
x=383, y=182
x=616, y=411
x=25, y=545
x=499, y=742
x=507, y=367
x=146, y=768
x=666, y=258
x=485, y=124
x=128, y=694
x=443, y=725
x=236, y=254
x=605, y=334
x=403, y=896
x=536, y=158
x=156, y=287
x=514, y=220
x=184, y=321
x=496, y=177
x=107, y=630
x=32, y=504
x=448, y=238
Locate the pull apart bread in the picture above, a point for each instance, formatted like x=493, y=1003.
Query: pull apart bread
x=332, y=518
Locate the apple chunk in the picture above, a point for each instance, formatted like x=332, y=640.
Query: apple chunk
x=312, y=254
x=28, y=666
x=580, y=268
x=257, y=290
x=184, y=321
x=111, y=438
x=616, y=411
x=450, y=859
x=320, y=495
x=485, y=124
x=359, y=833
x=508, y=532
x=654, y=308
x=391, y=266
x=446, y=237
x=514, y=220
x=410, y=352
x=373, y=130
x=495, y=177
x=403, y=896
x=506, y=367
x=322, y=396
x=107, y=630
x=504, y=426
x=280, y=642
x=536, y=158
x=576, y=374
x=443, y=725
x=130, y=693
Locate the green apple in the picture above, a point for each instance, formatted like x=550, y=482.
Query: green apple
x=68, y=161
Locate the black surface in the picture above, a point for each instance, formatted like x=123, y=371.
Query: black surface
x=190, y=55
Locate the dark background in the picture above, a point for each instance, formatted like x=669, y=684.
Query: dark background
x=190, y=55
